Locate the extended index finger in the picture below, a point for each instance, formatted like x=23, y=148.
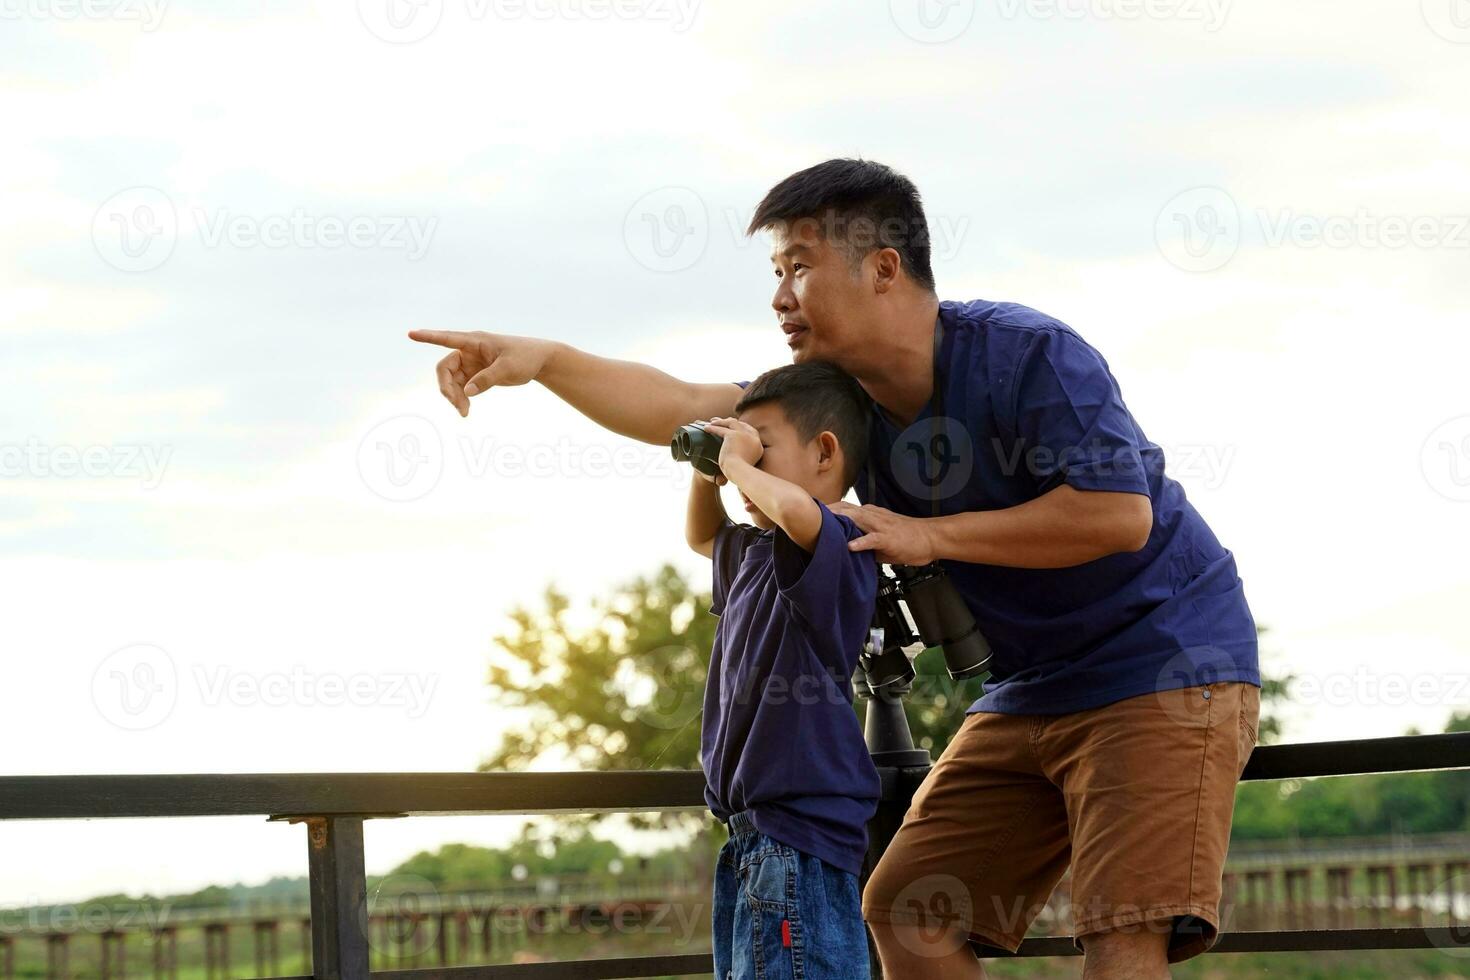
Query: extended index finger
x=458, y=339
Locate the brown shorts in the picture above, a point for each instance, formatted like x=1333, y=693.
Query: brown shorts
x=1136, y=796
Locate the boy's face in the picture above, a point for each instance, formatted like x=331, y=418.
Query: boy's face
x=815, y=465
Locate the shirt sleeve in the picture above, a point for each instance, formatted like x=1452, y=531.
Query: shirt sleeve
x=731, y=540
x=831, y=588
x=1070, y=421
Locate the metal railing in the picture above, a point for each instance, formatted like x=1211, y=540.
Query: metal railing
x=332, y=807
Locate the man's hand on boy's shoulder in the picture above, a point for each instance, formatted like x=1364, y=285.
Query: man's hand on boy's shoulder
x=896, y=539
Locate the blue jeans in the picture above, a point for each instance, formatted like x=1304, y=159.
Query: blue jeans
x=780, y=914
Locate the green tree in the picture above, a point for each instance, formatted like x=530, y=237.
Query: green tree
x=539, y=853
x=625, y=693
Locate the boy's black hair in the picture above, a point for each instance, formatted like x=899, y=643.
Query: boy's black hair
x=860, y=206
x=818, y=397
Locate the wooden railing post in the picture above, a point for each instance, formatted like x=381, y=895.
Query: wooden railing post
x=339, y=942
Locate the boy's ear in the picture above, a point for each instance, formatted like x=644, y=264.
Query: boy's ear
x=828, y=448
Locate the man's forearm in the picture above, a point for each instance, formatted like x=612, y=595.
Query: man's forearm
x=629, y=398
x=1061, y=528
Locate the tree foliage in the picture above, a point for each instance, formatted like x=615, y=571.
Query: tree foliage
x=537, y=854
x=625, y=692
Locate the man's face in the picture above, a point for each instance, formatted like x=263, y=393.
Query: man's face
x=784, y=454
x=820, y=301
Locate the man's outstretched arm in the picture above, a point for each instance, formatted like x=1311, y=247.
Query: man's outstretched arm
x=629, y=398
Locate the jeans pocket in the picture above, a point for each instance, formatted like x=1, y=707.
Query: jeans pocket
x=768, y=877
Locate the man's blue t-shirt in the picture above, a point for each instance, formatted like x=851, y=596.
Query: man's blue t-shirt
x=780, y=737
x=1034, y=406
x=1027, y=406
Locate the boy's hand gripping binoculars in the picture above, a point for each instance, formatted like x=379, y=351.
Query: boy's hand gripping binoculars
x=701, y=449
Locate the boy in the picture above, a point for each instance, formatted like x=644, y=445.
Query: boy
x=785, y=764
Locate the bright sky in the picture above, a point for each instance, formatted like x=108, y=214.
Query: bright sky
x=229, y=480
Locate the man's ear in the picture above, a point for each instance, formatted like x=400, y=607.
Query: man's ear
x=887, y=266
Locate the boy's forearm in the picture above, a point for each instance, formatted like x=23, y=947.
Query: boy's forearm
x=705, y=514
x=629, y=398
x=785, y=503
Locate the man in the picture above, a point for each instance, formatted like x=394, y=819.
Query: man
x=1124, y=695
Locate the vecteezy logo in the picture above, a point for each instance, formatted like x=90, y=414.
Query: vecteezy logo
x=1199, y=230
x=404, y=902
x=135, y=230
x=677, y=694
x=1182, y=686
x=136, y=687
x=401, y=459
x=933, y=458
x=666, y=230
x=932, y=21
x=1453, y=898
x=1445, y=458
x=945, y=911
x=400, y=21
x=1450, y=19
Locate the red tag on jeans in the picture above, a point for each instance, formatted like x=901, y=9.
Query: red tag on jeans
x=786, y=933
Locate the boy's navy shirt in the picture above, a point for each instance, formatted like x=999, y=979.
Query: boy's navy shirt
x=1027, y=406
x=780, y=737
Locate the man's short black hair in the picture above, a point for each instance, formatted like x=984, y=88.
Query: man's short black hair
x=818, y=397
x=859, y=205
